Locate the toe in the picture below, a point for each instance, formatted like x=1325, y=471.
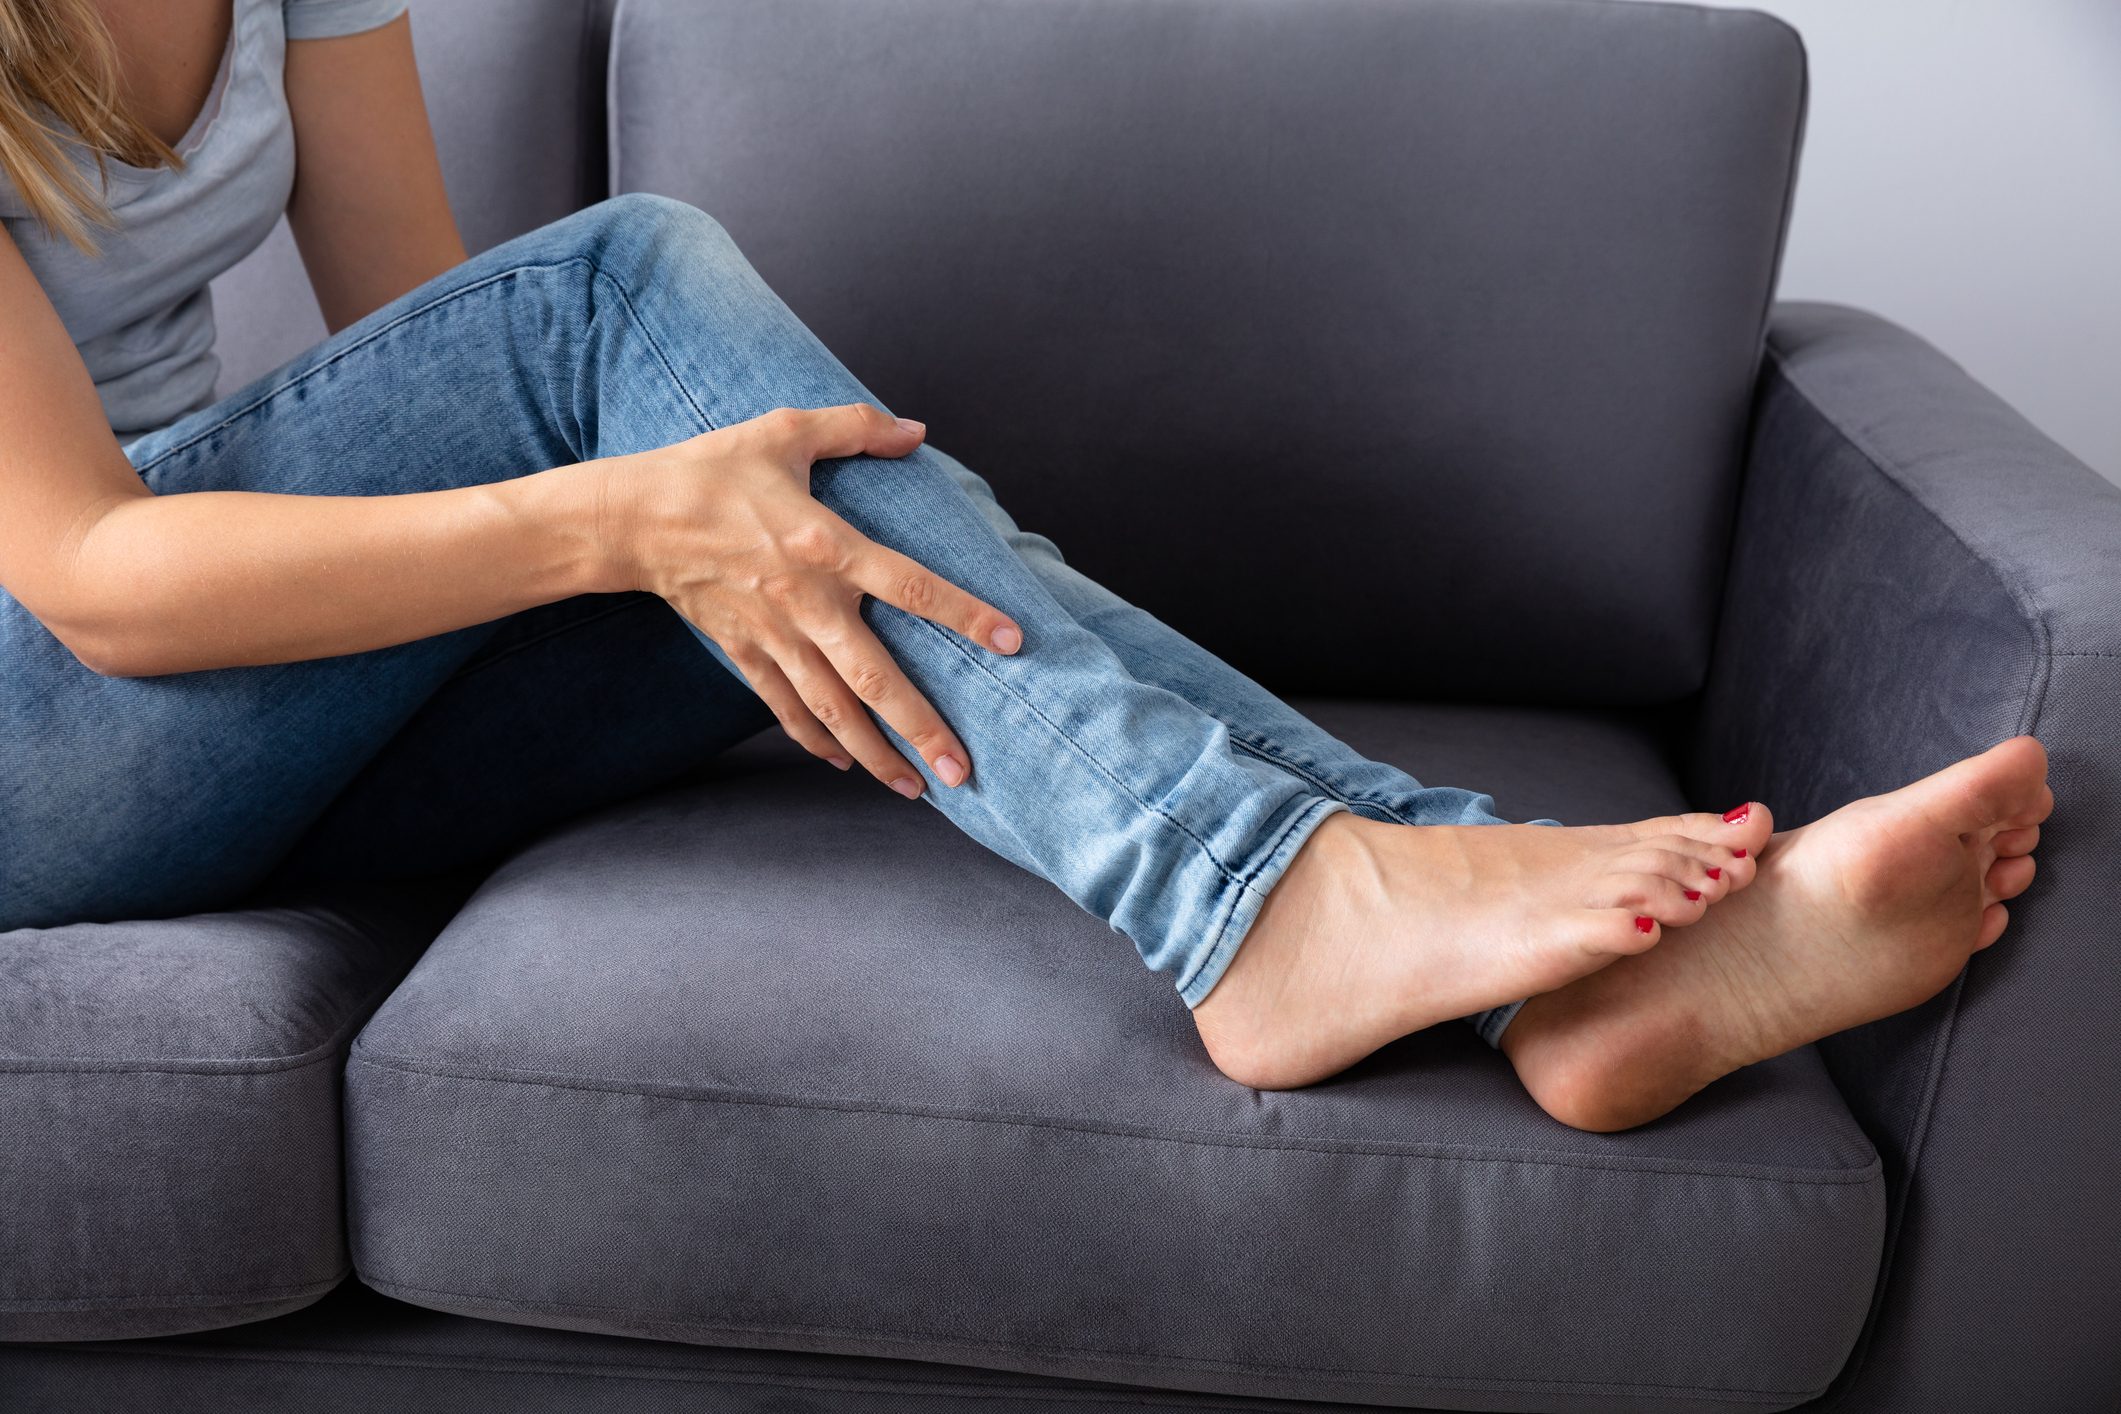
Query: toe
x=1656, y=896
x=1707, y=869
x=2011, y=843
x=1743, y=829
x=1618, y=931
x=2007, y=878
x=2005, y=785
x=1993, y=920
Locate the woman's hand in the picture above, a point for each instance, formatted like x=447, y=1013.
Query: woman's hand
x=723, y=526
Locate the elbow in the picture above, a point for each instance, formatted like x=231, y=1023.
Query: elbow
x=105, y=649
x=96, y=652
x=99, y=660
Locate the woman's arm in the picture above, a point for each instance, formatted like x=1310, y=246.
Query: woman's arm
x=722, y=526
x=369, y=211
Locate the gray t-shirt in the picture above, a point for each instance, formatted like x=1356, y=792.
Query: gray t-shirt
x=140, y=311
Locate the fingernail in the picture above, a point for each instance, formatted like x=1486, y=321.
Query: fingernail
x=1693, y=895
x=1736, y=814
x=1006, y=638
x=1718, y=873
x=908, y=787
x=1644, y=925
x=1737, y=854
x=916, y=428
x=949, y=769
x=840, y=761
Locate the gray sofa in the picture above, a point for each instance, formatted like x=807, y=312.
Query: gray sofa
x=1408, y=352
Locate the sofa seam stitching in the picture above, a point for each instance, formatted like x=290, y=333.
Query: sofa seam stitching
x=161, y=1299
x=340, y=1040
x=1847, y=1178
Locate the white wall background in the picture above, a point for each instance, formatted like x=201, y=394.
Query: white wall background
x=1962, y=176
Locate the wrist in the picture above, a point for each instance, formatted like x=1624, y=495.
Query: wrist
x=578, y=528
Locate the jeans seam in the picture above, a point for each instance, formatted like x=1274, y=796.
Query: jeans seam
x=625, y=297
x=363, y=342
x=1244, y=886
x=1272, y=755
x=1084, y=752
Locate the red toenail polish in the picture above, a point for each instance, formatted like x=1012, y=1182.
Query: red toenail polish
x=1737, y=814
x=1715, y=873
x=1737, y=854
x=1693, y=895
x=1644, y=925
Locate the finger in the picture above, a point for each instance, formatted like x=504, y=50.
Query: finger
x=829, y=698
x=866, y=666
x=883, y=573
x=787, y=706
x=854, y=429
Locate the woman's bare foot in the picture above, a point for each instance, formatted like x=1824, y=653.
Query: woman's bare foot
x=1867, y=912
x=1378, y=930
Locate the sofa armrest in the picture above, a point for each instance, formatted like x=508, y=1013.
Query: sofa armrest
x=1918, y=574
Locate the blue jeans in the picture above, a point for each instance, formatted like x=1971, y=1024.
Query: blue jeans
x=1156, y=786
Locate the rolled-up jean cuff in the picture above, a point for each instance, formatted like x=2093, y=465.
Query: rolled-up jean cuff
x=1489, y=1024
x=1251, y=898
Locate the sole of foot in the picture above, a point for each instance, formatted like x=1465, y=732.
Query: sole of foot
x=1864, y=913
x=1377, y=930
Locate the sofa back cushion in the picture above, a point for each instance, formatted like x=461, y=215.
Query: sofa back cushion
x=1388, y=348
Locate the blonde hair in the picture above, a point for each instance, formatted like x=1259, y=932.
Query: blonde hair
x=59, y=93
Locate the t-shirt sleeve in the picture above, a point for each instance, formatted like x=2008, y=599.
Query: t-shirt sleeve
x=328, y=19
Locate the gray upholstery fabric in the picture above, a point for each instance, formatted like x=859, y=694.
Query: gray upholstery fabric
x=781, y=1060
x=1919, y=574
x=356, y=1352
x=515, y=90
x=169, y=1109
x=1437, y=302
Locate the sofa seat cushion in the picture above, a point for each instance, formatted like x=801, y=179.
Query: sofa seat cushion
x=169, y=1109
x=780, y=1060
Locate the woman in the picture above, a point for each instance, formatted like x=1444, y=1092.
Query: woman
x=226, y=625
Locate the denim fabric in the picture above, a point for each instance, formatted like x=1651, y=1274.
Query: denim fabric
x=1158, y=788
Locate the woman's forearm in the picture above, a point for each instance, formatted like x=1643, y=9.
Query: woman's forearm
x=218, y=579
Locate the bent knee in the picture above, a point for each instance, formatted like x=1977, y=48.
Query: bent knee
x=642, y=227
